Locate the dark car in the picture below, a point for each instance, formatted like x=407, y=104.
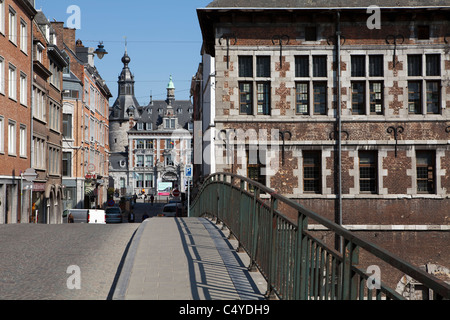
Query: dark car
x=113, y=215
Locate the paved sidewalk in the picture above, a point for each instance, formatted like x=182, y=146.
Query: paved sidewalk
x=183, y=259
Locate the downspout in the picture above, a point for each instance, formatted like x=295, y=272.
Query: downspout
x=32, y=106
x=339, y=122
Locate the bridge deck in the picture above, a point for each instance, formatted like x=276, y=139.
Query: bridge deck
x=185, y=259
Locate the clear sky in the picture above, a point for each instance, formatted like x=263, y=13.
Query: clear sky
x=163, y=38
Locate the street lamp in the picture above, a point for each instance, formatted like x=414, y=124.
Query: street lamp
x=100, y=52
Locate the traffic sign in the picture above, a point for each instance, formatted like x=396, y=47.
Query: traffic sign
x=188, y=172
x=176, y=193
x=111, y=203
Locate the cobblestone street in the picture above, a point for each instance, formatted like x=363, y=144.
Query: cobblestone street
x=34, y=260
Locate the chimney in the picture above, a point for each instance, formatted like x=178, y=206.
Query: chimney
x=69, y=38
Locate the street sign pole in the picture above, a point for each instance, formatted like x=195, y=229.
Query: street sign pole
x=188, y=175
x=189, y=198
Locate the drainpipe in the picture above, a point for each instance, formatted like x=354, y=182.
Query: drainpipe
x=339, y=122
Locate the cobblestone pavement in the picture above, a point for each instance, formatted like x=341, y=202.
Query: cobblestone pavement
x=34, y=260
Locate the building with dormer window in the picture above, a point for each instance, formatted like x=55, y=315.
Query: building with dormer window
x=150, y=145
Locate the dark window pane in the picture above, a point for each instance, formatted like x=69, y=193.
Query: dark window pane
x=358, y=95
x=358, y=66
x=368, y=171
x=414, y=97
x=319, y=66
x=320, y=98
x=263, y=66
x=433, y=64
x=376, y=66
x=312, y=171
x=414, y=65
x=310, y=33
x=246, y=66
x=263, y=97
x=302, y=98
x=425, y=171
x=433, y=96
x=376, y=97
x=423, y=32
x=246, y=97
x=302, y=66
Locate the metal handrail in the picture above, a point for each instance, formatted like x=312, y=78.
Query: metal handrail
x=297, y=265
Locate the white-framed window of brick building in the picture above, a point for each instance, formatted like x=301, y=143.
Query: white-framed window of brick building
x=2, y=75
x=311, y=90
x=39, y=153
x=54, y=116
x=424, y=83
x=367, y=85
x=12, y=82
x=23, y=88
x=2, y=17
x=12, y=25
x=2, y=134
x=23, y=36
x=251, y=82
x=23, y=141
x=12, y=138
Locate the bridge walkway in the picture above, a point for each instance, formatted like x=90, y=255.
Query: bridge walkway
x=186, y=259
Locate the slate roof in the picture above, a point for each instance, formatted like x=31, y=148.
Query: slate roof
x=273, y=4
x=158, y=110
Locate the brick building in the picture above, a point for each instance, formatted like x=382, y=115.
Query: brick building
x=85, y=125
x=15, y=107
x=48, y=64
x=297, y=73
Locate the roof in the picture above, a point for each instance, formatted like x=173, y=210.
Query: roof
x=154, y=113
x=314, y=4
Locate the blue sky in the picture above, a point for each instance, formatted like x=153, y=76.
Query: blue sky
x=163, y=37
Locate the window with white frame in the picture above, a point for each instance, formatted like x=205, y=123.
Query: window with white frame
x=2, y=16
x=12, y=138
x=23, y=36
x=12, y=25
x=23, y=141
x=39, y=111
x=23, y=89
x=2, y=134
x=54, y=116
x=39, y=52
x=39, y=153
x=2, y=75
x=53, y=163
x=424, y=84
x=12, y=81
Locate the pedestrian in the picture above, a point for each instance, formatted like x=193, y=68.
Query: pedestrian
x=152, y=198
x=131, y=217
x=70, y=218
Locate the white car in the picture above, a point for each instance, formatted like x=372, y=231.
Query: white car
x=169, y=210
x=96, y=216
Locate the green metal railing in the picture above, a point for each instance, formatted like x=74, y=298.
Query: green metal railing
x=296, y=264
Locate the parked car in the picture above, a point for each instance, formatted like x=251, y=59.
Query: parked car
x=96, y=216
x=113, y=215
x=169, y=210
